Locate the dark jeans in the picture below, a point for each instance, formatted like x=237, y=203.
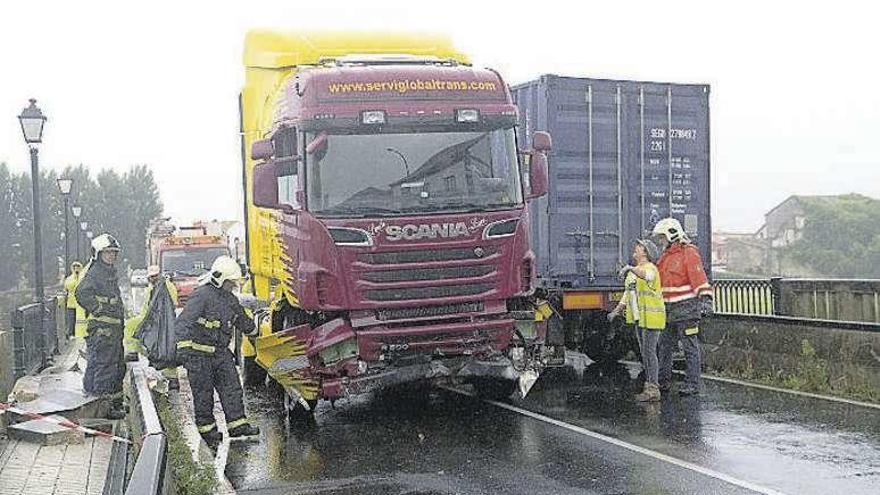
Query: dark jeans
x=690, y=344
x=70, y=321
x=209, y=372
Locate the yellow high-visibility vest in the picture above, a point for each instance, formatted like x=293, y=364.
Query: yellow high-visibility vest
x=649, y=300
x=70, y=284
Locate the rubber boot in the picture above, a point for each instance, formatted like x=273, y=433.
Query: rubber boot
x=651, y=393
x=245, y=430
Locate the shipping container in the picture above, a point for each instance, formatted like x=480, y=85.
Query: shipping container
x=625, y=154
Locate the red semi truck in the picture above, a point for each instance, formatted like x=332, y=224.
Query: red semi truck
x=387, y=217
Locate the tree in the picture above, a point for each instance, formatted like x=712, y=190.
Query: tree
x=122, y=205
x=841, y=237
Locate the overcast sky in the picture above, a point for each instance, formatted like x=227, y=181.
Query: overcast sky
x=795, y=89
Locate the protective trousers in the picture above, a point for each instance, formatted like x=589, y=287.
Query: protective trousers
x=70, y=321
x=648, y=346
x=690, y=344
x=214, y=371
x=105, y=362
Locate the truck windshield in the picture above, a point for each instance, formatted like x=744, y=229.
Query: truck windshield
x=392, y=174
x=190, y=262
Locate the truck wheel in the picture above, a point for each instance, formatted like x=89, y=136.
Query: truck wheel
x=603, y=341
x=494, y=388
x=254, y=374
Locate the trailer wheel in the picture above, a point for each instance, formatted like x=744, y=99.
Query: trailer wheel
x=494, y=388
x=600, y=340
x=254, y=374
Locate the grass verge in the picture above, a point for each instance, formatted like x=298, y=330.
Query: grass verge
x=811, y=375
x=190, y=477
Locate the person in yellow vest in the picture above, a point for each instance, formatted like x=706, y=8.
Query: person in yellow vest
x=643, y=302
x=70, y=284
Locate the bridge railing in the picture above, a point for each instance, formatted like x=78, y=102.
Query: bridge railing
x=743, y=296
x=818, y=299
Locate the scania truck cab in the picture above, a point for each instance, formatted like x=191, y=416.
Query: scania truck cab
x=387, y=217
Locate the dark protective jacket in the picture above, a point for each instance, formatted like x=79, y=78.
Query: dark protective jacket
x=98, y=294
x=207, y=321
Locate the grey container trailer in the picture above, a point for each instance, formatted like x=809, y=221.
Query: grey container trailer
x=625, y=154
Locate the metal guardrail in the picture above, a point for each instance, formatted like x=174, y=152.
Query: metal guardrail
x=847, y=300
x=34, y=336
x=148, y=474
x=744, y=296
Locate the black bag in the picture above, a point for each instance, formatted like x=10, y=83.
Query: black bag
x=156, y=331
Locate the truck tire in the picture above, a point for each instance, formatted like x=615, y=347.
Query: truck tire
x=601, y=340
x=494, y=388
x=254, y=374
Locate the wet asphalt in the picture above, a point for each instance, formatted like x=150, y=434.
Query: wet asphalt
x=434, y=441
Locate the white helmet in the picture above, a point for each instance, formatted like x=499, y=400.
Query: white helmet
x=104, y=242
x=671, y=229
x=224, y=268
x=153, y=270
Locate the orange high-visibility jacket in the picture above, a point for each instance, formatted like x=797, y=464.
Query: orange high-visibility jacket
x=682, y=274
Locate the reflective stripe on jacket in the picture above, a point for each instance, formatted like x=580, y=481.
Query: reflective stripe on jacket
x=649, y=299
x=684, y=282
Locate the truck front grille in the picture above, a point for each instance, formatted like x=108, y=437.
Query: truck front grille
x=404, y=294
x=429, y=311
x=425, y=256
x=413, y=274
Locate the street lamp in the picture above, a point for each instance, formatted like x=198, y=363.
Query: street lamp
x=77, y=211
x=65, y=185
x=32, y=121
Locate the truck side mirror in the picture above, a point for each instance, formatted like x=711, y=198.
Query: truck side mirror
x=266, y=185
x=541, y=141
x=261, y=150
x=538, y=175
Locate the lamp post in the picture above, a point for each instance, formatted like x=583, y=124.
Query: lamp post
x=77, y=211
x=64, y=185
x=84, y=226
x=32, y=121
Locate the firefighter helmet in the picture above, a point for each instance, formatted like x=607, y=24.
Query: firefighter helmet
x=224, y=268
x=671, y=229
x=104, y=242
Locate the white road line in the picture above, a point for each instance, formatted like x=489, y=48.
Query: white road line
x=792, y=392
x=744, y=383
x=632, y=447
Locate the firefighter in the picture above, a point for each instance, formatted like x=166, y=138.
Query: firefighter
x=688, y=298
x=70, y=284
x=643, y=302
x=98, y=293
x=204, y=330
